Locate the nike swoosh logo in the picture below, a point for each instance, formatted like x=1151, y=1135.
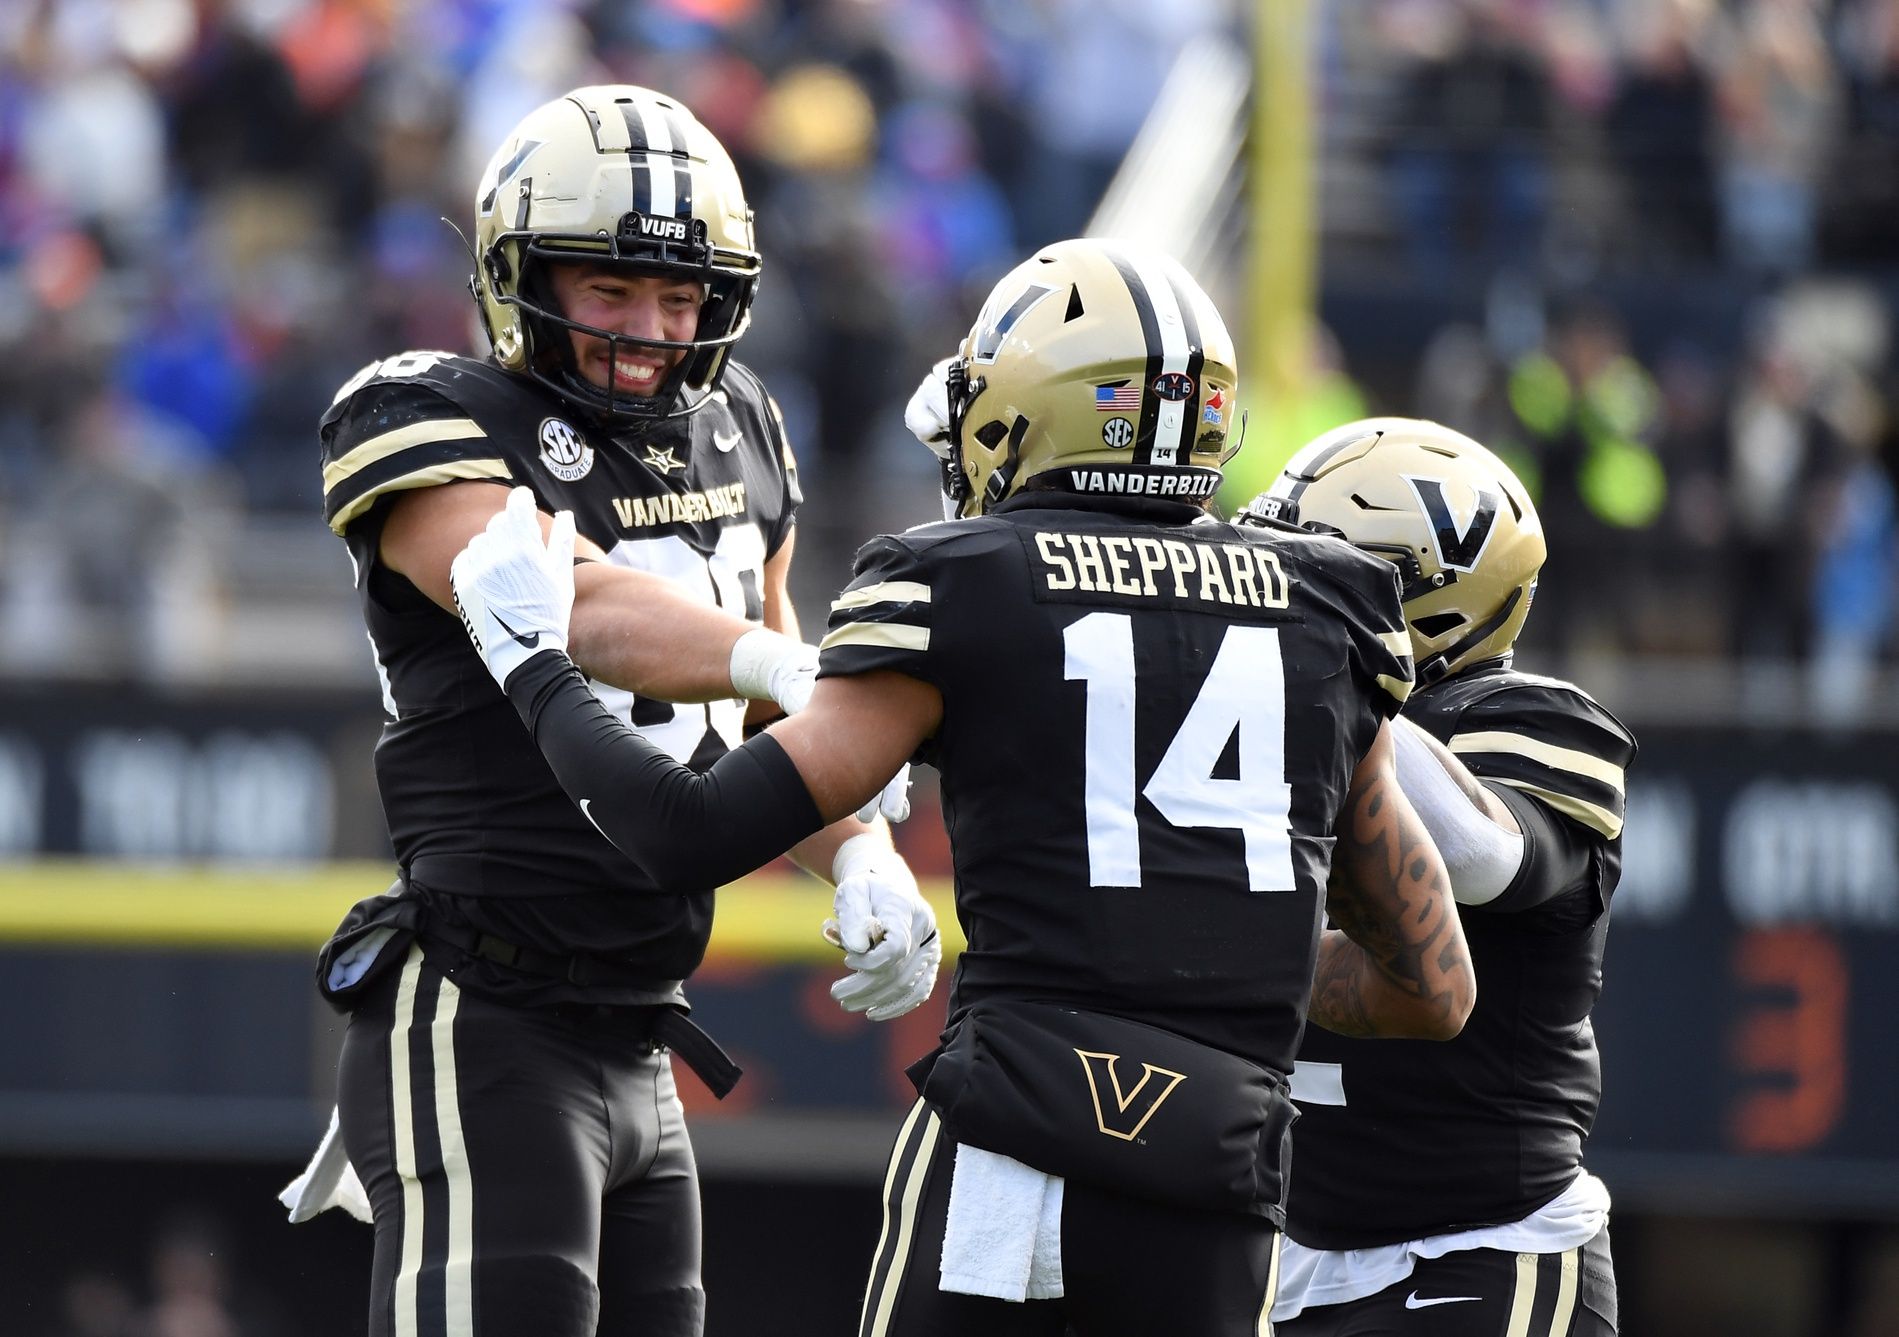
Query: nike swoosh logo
x=530, y=640
x=726, y=444
x=585, y=805
x=1412, y=1301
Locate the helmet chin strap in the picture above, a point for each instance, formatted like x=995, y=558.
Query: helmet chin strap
x=1003, y=475
x=961, y=390
x=1437, y=667
x=668, y=399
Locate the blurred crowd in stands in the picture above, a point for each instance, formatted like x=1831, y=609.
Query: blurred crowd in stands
x=188, y=1287
x=1645, y=247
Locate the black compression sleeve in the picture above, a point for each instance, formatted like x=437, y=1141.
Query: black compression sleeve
x=686, y=829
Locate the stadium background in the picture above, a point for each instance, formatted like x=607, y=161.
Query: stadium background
x=1646, y=246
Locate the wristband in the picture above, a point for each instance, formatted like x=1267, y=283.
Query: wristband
x=761, y=662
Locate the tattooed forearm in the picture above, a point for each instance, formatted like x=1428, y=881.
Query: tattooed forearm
x=1399, y=964
x=1338, y=995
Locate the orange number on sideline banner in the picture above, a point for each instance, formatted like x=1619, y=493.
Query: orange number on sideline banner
x=1792, y=1040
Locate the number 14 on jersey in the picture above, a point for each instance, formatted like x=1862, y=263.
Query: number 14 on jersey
x=1244, y=695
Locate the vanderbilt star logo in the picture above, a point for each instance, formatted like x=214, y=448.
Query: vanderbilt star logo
x=663, y=460
x=1137, y=1105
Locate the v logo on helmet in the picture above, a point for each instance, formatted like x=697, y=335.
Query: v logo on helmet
x=500, y=171
x=1459, y=547
x=1131, y=1109
x=991, y=333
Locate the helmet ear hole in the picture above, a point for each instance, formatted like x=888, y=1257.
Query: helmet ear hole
x=991, y=433
x=1437, y=624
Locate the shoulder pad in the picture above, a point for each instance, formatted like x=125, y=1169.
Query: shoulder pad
x=402, y=423
x=417, y=366
x=1543, y=736
x=884, y=617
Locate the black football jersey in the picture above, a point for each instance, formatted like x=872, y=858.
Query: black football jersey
x=1401, y=1139
x=474, y=813
x=1150, y=721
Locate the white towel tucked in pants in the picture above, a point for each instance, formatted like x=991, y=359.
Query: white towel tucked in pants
x=1003, y=1238
x=329, y=1180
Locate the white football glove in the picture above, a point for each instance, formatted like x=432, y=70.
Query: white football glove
x=886, y=928
x=927, y=415
x=893, y=803
x=768, y=665
x=514, y=589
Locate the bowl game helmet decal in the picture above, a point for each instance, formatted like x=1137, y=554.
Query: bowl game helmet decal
x=1095, y=367
x=623, y=175
x=1453, y=517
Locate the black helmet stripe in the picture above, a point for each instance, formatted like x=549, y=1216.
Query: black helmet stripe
x=682, y=163
x=1310, y=469
x=636, y=142
x=1156, y=359
x=1162, y=429
x=635, y=126
x=662, y=181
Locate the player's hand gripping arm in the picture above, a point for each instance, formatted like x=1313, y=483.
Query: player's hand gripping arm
x=693, y=829
x=629, y=628
x=1397, y=964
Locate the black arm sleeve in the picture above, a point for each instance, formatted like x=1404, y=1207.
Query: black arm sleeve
x=1556, y=855
x=688, y=830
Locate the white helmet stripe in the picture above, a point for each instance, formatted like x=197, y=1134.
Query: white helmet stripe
x=1170, y=425
x=658, y=167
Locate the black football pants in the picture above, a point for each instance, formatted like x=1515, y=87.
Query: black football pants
x=529, y=1169
x=1130, y=1268
x=1482, y=1293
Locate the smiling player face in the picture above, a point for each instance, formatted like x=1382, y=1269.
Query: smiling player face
x=643, y=306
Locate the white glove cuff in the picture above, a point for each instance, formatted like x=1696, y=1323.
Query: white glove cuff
x=762, y=663
x=505, y=656
x=1481, y=857
x=866, y=853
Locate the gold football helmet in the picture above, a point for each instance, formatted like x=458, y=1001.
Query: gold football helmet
x=1458, y=524
x=625, y=175
x=1093, y=367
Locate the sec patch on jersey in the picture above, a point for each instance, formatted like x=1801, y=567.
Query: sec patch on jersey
x=564, y=451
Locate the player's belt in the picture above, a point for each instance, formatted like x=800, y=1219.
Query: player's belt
x=668, y=1025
